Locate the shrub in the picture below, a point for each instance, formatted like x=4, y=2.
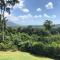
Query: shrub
x=25, y=37
x=53, y=49
x=38, y=48
x=25, y=46
x=3, y=47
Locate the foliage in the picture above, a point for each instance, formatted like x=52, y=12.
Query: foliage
x=48, y=24
x=34, y=40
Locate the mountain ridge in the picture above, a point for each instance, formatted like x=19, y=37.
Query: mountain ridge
x=12, y=24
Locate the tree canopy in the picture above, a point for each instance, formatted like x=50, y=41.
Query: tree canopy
x=48, y=24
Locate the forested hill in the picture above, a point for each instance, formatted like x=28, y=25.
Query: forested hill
x=11, y=24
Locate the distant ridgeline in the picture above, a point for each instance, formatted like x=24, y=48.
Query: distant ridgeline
x=12, y=24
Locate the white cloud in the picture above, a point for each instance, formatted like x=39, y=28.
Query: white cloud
x=21, y=6
x=40, y=16
x=38, y=9
x=37, y=16
x=49, y=5
x=25, y=10
x=48, y=16
x=6, y=14
x=26, y=17
x=30, y=16
x=45, y=15
x=53, y=16
x=22, y=18
x=12, y=18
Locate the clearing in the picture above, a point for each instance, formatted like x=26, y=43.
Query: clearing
x=20, y=56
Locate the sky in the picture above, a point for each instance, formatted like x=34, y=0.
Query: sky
x=35, y=12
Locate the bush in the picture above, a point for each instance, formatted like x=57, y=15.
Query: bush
x=3, y=47
x=51, y=50
x=25, y=46
x=38, y=48
x=1, y=38
x=25, y=37
x=54, y=49
x=14, y=48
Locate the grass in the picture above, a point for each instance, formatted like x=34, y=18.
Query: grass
x=19, y=56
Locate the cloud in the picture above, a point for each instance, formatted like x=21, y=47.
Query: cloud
x=48, y=16
x=12, y=18
x=27, y=18
x=49, y=5
x=25, y=10
x=6, y=14
x=54, y=16
x=22, y=18
x=38, y=9
x=37, y=16
x=21, y=6
x=19, y=19
x=30, y=16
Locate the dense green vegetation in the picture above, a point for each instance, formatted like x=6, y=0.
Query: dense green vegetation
x=39, y=41
x=45, y=41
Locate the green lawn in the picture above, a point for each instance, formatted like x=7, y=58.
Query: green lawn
x=20, y=56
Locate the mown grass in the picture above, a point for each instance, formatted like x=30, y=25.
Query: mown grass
x=19, y=56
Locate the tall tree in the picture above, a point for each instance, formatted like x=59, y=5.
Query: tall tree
x=5, y=7
x=0, y=22
x=48, y=24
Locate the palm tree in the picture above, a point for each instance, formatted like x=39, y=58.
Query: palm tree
x=4, y=8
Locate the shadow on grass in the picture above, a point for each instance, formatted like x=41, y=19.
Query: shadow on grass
x=54, y=58
x=39, y=55
x=57, y=59
x=42, y=55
